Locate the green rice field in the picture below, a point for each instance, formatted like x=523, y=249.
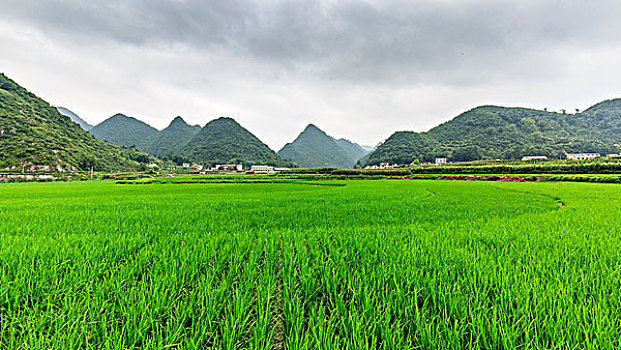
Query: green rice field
x=377, y=264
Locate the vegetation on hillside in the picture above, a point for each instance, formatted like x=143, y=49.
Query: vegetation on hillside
x=224, y=141
x=35, y=136
x=492, y=132
x=168, y=142
x=354, y=150
x=313, y=148
x=122, y=130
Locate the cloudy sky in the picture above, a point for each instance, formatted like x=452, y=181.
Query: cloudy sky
x=357, y=69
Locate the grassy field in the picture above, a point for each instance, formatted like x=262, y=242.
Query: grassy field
x=369, y=265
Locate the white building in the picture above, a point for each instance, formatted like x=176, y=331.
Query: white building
x=440, y=161
x=262, y=169
x=382, y=166
x=582, y=156
x=228, y=167
x=525, y=158
x=612, y=155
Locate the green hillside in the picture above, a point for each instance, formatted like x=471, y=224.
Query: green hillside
x=602, y=122
x=225, y=141
x=35, y=136
x=76, y=118
x=169, y=141
x=313, y=148
x=354, y=150
x=492, y=132
x=126, y=131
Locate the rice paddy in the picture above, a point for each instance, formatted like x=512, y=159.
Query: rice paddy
x=383, y=264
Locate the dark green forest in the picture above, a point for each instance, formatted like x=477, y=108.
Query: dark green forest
x=313, y=148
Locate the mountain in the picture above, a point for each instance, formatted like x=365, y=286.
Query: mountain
x=224, y=141
x=355, y=150
x=169, y=141
x=64, y=111
x=493, y=132
x=126, y=131
x=36, y=136
x=313, y=148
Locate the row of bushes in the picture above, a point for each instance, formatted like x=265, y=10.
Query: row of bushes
x=578, y=178
x=556, y=167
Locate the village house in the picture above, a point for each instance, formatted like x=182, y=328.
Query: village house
x=228, y=167
x=582, y=156
x=192, y=165
x=526, y=158
x=382, y=166
x=388, y=166
x=262, y=169
x=440, y=161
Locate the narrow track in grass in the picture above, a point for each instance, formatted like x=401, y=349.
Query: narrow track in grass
x=554, y=198
x=279, y=334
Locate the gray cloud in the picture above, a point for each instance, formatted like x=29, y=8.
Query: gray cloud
x=360, y=39
x=329, y=58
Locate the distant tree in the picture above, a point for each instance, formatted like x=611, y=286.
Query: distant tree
x=87, y=161
x=466, y=154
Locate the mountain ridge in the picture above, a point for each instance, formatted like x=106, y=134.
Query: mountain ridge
x=122, y=130
x=168, y=141
x=313, y=148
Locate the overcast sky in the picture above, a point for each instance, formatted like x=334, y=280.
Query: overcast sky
x=357, y=69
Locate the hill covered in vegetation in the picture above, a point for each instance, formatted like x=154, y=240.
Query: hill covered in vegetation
x=168, y=142
x=225, y=141
x=313, y=148
x=492, y=132
x=125, y=131
x=36, y=136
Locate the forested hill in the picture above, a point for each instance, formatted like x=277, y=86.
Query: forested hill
x=36, y=136
x=602, y=121
x=492, y=132
x=168, y=142
x=127, y=131
x=224, y=141
x=313, y=148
